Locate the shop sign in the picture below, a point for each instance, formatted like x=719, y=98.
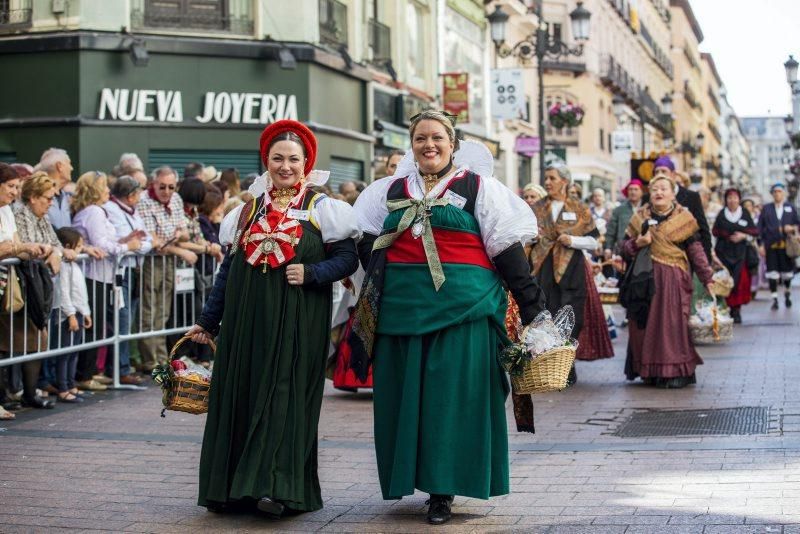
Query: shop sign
x=527, y=146
x=508, y=95
x=149, y=105
x=455, y=95
x=621, y=145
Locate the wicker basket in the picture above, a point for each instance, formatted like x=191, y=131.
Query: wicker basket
x=722, y=287
x=609, y=297
x=547, y=372
x=703, y=333
x=186, y=393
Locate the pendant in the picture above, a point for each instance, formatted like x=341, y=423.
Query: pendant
x=268, y=246
x=418, y=229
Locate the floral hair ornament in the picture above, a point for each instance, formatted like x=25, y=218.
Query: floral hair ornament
x=297, y=128
x=452, y=118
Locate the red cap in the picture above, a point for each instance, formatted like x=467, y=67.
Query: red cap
x=302, y=131
x=634, y=181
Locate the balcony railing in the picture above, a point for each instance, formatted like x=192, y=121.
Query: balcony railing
x=689, y=95
x=332, y=23
x=224, y=16
x=380, y=40
x=15, y=15
x=714, y=101
x=614, y=75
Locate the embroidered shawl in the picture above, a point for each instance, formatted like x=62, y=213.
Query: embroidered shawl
x=679, y=226
x=549, y=231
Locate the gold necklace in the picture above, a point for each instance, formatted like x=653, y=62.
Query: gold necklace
x=283, y=197
x=430, y=181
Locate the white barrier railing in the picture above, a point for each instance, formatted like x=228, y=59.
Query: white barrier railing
x=173, y=291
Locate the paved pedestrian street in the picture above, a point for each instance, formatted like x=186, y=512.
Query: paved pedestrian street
x=115, y=465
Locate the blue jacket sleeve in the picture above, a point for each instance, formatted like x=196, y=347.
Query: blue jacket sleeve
x=341, y=262
x=212, y=311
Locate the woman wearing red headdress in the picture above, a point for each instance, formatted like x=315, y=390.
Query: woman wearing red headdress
x=273, y=298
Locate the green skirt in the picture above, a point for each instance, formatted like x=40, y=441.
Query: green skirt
x=266, y=391
x=440, y=420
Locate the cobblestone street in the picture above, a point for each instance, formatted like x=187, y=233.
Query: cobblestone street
x=114, y=465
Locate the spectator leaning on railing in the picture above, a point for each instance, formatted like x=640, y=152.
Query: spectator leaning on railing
x=161, y=208
x=57, y=164
x=11, y=247
x=121, y=210
x=92, y=221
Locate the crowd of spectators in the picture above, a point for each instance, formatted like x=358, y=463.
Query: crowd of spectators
x=88, y=245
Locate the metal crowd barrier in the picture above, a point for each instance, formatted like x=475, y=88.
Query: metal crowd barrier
x=168, y=279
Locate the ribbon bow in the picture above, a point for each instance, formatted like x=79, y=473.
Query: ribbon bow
x=271, y=241
x=417, y=216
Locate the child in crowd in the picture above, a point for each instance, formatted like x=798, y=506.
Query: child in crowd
x=75, y=315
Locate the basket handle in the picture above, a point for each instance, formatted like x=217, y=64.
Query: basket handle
x=183, y=340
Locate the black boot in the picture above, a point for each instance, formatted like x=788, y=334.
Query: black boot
x=270, y=507
x=736, y=315
x=439, y=509
x=572, y=378
x=788, y=300
x=774, y=304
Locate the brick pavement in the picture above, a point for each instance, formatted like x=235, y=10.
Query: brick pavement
x=114, y=465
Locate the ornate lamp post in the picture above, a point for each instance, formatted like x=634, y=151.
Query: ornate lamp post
x=541, y=46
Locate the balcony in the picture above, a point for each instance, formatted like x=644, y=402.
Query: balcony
x=220, y=16
x=613, y=75
x=332, y=23
x=565, y=64
x=380, y=41
x=15, y=15
x=714, y=100
x=689, y=96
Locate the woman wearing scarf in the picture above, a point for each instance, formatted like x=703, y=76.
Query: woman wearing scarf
x=663, y=241
x=440, y=238
x=566, y=229
x=735, y=231
x=273, y=298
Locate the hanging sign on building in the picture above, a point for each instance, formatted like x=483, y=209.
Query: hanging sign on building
x=150, y=105
x=527, y=145
x=508, y=95
x=455, y=95
x=621, y=145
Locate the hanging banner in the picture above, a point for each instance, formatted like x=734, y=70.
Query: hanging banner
x=455, y=95
x=508, y=95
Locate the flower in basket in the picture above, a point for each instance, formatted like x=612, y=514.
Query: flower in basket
x=566, y=115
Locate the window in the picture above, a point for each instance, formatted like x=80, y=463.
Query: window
x=602, y=139
x=15, y=13
x=415, y=29
x=213, y=15
x=463, y=53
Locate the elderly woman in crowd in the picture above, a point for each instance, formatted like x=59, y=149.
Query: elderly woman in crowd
x=93, y=222
x=566, y=230
x=533, y=193
x=735, y=231
x=14, y=339
x=663, y=242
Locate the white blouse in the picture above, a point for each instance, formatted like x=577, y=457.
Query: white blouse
x=503, y=217
x=8, y=225
x=336, y=219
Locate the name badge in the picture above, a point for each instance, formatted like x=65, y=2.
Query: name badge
x=455, y=199
x=652, y=222
x=742, y=222
x=299, y=215
x=787, y=209
x=569, y=216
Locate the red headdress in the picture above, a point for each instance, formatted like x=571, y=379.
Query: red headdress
x=302, y=131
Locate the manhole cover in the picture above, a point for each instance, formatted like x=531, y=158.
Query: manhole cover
x=725, y=421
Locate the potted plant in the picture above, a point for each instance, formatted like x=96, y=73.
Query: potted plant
x=566, y=115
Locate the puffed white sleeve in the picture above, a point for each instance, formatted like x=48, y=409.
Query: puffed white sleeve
x=504, y=218
x=227, y=229
x=337, y=219
x=371, y=208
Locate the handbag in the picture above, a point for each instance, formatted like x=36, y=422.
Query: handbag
x=751, y=257
x=13, y=299
x=792, y=246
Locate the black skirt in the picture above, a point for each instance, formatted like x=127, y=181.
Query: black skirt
x=777, y=260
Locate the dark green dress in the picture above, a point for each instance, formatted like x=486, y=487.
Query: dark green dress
x=261, y=434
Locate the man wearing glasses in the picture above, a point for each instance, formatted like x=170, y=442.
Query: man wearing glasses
x=161, y=208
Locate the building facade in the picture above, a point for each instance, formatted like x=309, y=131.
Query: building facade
x=182, y=81
x=734, y=149
x=710, y=169
x=767, y=136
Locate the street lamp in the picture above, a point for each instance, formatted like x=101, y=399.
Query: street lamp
x=700, y=141
x=540, y=45
x=791, y=70
x=666, y=104
x=788, y=122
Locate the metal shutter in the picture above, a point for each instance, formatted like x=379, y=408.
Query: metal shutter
x=343, y=170
x=245, y=161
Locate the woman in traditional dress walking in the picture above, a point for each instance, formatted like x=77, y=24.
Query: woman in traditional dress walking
x=273, y=297
x=566, y=229
x=663, y=241
x=440, y=237
x=735, y=231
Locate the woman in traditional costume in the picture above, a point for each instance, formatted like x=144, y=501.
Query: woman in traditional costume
x=440, y=238
x=566, y=229
x=663, y=241
x=273, y=297
x=735, y=231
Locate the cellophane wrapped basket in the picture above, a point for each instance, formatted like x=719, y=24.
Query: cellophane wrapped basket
x=545, y=373
x=709, y=326
x=187, y=393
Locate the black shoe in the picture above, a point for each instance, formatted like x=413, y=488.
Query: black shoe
x=439, y=509
x=270, y=507
x=573, y=376
x=736, y=315
x=788, y=300
x=217, y=508
x=774, y=304
x=38, y=402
